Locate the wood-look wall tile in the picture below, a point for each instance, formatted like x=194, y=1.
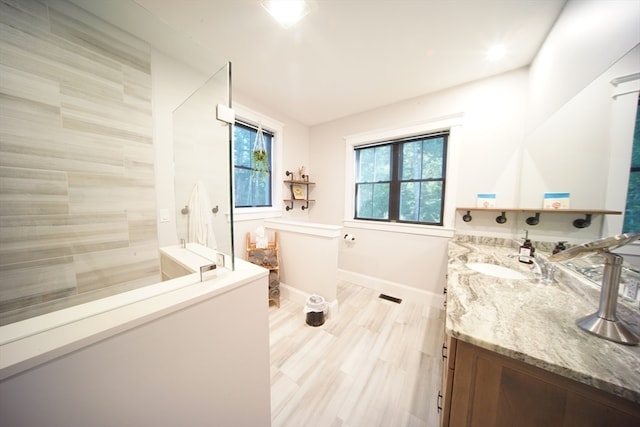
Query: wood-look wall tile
x=34, y=282
x=32, y=192
x=30, y=238
x=97, y=129
x=112, y=267
x=77, y=195
x=19, y=84
x=21, y=13
x=25, y=112
x=84, y=29
x=26, y=312
x=108, y=115
x=35, y=8
x=59, y=60
x=62, y=151
x=137, y=88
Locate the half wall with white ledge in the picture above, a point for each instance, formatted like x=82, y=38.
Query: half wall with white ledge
x=161, y=355
x=309, y=260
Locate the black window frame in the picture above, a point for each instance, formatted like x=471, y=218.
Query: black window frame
x=396, y=180
x=269, y=146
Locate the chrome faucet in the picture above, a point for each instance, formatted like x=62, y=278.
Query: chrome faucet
x=542, y=268
x=604, y=322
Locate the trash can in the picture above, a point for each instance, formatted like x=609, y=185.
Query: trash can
x=314, y=309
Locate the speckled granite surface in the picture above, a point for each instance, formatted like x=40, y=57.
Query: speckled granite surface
x=533, y=321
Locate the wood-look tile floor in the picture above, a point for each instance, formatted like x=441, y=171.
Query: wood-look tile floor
x=375, y=363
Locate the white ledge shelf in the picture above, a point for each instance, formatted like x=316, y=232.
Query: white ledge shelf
x=535, y=219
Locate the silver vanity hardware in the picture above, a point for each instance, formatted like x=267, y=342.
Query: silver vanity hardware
x=543, y=268
x=207, y=267
x=604, y=323
x=186, y=211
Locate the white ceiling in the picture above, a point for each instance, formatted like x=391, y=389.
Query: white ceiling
x=349, y=56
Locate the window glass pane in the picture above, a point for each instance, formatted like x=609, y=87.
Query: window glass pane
x=431, y=202
x=632, y=210
x=432, y=158
x=411, y=160
x=372, y=201
x=252, y=187
x=374, y=164
x=364, y=204
x=421, y=201
x=381, y=201
x=409, y=201
x=635, y=154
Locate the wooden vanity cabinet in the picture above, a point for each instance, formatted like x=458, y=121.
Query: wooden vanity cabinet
x=486, y=389
x=448, y=366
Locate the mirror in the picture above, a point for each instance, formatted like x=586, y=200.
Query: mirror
x=201, y=147
x=580, y=148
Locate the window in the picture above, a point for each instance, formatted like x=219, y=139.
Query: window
x=402, y=180
x=632, y=210
x=252, y=185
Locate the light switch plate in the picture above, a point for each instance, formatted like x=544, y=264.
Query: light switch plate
x=164, y=215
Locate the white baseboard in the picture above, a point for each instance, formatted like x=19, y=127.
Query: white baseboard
x=397, y=290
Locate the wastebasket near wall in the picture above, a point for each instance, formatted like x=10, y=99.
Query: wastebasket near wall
x=315, y=310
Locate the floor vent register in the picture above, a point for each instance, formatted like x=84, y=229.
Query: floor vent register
x=390, y=298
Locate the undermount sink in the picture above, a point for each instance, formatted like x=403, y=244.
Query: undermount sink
x=496, y=270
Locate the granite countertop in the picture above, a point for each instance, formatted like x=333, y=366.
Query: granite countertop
x=535, y=322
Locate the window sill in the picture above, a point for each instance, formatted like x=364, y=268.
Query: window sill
x=423, y=230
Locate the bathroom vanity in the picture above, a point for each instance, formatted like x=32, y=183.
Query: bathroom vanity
x=513, y=354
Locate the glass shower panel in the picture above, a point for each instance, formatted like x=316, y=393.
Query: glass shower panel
x=202, y=167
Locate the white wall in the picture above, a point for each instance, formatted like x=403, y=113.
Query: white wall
x=496, y=113
x=493, y=112
x=588, y=38
x=309, y=259
x=492, y=134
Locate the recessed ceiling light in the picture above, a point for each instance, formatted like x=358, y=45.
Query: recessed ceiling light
x=496, y=52
x=287, y=12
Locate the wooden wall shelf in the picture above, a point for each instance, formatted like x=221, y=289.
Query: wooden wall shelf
x=535, y=219
x=298, y=182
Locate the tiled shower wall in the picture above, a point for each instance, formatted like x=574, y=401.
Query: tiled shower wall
x=77, y=195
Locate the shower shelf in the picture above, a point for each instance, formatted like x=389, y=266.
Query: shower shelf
x=533, y=220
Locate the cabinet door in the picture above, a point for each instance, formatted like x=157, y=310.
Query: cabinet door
x=490, y=390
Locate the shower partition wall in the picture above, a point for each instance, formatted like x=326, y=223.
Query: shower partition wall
x=78, y=218
x=77, y=182
x=202, y=177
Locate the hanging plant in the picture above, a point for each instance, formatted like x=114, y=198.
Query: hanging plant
x=260, y=157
